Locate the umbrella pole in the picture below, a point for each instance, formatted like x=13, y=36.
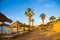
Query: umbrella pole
x=2, y=29
x=17, y=28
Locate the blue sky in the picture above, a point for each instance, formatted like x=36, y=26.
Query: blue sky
x=14, y=9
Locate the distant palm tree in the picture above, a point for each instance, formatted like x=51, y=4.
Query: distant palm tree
x=32, y=20
x=58, y=19
x=52, y=18
x=29, y=13
x=42, y=17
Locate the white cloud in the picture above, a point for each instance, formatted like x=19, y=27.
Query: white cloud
x=38, y=1
x=50, y=5
x=12, y=17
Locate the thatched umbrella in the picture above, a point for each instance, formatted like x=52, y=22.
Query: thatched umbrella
x=3, y=19
x=17, y=25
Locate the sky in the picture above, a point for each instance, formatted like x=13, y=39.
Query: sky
x=15, y=9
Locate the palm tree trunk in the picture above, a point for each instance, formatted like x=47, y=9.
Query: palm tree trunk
x=29, y=20
x=32, y=24
x=43, y=21
x=2, y=30
x=17, y=28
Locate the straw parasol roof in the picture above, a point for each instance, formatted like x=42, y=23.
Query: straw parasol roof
x=17, y=23
x=3, y=18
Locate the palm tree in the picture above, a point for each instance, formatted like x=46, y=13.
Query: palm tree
x=29, y=13
x=32, y=20
x=58, y=19
x=52, y=18
x=42, y=17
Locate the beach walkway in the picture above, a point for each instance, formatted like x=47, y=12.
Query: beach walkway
x=38, y=35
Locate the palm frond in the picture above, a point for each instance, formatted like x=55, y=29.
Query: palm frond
x=52, y=18
x=32, y=20
x=42, y=15
x=28, y=9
